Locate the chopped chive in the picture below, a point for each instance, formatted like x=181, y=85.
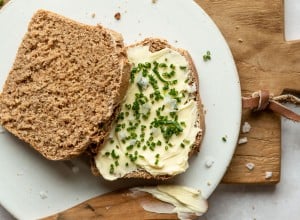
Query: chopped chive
x=224, y=139
x=114, y=155
x=148, y=65
x=186, y=141
x=182, y=67
x=112, y=169
x=162, y=65
x=207, y=56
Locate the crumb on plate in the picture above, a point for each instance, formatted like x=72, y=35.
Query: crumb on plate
x=118, y=16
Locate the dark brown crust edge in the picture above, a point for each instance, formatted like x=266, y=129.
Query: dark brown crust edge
x=156, y=44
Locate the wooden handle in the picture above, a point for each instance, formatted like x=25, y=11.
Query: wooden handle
x=123, y=204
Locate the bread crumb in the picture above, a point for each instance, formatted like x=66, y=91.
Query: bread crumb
x=209, y=162
x=237, y=27
x=208, y=183
x=118, y=16
x=246, y=127
x=154, y=1
x=250, y=166
x=240, y=40
x=243, y=140
x=268, y=174
x=93, y=15
x=43, y=195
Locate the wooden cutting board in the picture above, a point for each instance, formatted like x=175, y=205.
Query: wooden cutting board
x=254, y=31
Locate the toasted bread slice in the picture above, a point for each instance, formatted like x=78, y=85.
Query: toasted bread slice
x=64, y=86
x=161, y=123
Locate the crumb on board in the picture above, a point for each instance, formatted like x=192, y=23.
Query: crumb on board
x=246, y=127
x=243, y=140
x=208, y=183
x=240, y=40
x=93, y=15
x=154, y=1
x=250, y=166
x=268, y=174
x=118, y=16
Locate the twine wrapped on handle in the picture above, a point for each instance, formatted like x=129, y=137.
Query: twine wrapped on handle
x=262, y=100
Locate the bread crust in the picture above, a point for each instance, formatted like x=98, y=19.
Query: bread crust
x=64, y=86
x=156, y=44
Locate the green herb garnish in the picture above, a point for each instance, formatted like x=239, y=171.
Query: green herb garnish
x=207, y=56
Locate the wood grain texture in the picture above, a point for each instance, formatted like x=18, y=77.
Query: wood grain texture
x=122, y=204
x=254, y=31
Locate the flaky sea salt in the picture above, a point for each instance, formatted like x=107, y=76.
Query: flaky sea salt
x=243, y=140
x=209, y=162
x=268, y=174
x=250, y=166
x=246, y=127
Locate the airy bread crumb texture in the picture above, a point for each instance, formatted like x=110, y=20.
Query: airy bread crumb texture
x=64, y=86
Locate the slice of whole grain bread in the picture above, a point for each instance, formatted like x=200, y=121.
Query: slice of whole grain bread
x=156, y=44
x=64, y=86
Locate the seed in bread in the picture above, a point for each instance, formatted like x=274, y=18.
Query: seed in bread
x=64, y=86
x=161, y=120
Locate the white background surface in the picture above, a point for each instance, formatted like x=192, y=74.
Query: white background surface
x=262, y=202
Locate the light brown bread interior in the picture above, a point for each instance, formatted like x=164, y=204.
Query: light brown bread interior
x=64, y=86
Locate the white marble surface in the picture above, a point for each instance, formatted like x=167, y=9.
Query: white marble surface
x=230, y=202
x=265, y=202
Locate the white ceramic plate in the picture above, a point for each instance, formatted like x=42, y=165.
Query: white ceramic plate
x=32, y=187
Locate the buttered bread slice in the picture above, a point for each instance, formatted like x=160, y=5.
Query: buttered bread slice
x=161, y=122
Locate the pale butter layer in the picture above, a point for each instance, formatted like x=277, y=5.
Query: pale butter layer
x=184, y=199
x=173, y=157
